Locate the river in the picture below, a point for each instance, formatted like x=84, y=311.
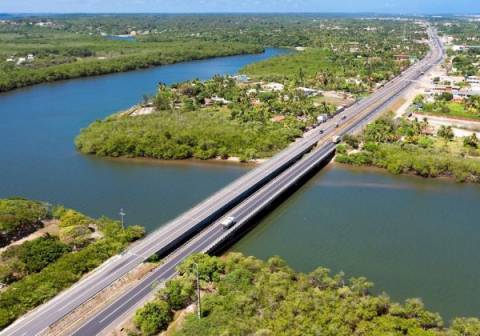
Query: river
x=412, y=237
x=38, y=159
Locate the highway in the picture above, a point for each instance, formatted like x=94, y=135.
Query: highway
x=214, y=235
x=198, y=229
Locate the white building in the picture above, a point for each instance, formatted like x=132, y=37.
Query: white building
x=308, y=91
x=241, y=78
x=355, y=81
x=459, y=48
x=273, y=86
x=220, y=100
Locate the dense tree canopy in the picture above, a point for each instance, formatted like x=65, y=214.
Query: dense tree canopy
x=184, y=125
x=246, y=296
x=19, y=217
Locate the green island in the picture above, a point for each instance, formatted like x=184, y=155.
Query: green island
x=35, y=269
x=246, y=296
x=256, y=114
x=204, y=120
x=404, y=146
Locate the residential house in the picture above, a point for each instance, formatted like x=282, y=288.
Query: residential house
x=273, y=86
x=241, y=78
x=219, y=100
x=309, y=92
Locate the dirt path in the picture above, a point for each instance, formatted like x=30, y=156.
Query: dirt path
x=49, y=226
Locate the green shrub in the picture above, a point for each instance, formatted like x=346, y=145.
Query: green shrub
x=153, y=317
x=177, y=293
x=38, y=253
x=17, y=212
x=20, y=217
x=253, y=297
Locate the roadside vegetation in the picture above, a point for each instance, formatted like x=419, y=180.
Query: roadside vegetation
x=408, y=147
x=354, y=56
x=464, y=58
x=246, y=296
x=466, y=63
x=35, y=271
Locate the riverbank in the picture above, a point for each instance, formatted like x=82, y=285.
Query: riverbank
x=217, y=162
x=409, y=147
x=147, y=56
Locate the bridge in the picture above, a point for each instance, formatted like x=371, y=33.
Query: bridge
x=199, y=229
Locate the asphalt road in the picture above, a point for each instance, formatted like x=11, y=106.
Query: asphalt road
x=241, y=195
x=203, y=242
x=215, y=234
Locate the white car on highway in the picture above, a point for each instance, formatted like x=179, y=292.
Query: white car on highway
x=227, y=222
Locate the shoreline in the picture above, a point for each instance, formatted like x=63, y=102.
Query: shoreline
x=381, y=170
x=231, y=161
x=111, y=72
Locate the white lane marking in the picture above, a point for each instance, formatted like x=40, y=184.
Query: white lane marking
x=220, y=193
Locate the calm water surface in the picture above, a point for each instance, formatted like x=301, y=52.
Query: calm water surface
x=412, y=237
x=38, y=159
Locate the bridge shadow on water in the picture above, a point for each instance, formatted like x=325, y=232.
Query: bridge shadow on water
x=257, y=218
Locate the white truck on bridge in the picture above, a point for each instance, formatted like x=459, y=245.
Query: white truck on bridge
x=322, y=118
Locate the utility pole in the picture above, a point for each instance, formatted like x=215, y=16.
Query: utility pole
x=199, y=308
x=122, y=214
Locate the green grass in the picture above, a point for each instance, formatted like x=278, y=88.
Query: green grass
x=325, y=69
x=451, y=109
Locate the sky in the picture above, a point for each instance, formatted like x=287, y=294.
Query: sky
x=228, y=6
